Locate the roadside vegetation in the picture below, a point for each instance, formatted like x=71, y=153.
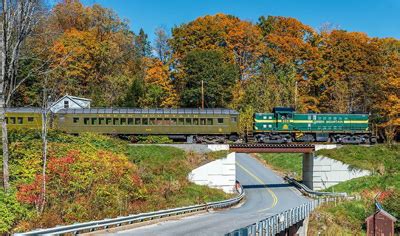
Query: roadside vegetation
x=347, y=218
x=94, y=177
x=384, y=163
x=286, y=163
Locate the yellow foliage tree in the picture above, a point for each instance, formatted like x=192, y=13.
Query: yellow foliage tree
x=156, y=73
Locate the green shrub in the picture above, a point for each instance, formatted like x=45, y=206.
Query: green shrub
x=153, y=139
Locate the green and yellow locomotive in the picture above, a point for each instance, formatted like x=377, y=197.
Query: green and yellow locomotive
x=284, y=125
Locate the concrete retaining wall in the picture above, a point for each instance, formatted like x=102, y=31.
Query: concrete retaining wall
x=328, y=172
x=219, y=174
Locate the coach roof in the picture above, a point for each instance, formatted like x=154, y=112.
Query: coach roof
x=221, y=111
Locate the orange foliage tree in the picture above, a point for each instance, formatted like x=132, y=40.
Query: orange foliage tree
x=158, y=85
x=240, y=41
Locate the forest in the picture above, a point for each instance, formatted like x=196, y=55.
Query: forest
x=89, y=51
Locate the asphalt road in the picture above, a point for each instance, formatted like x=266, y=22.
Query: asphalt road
x=266, y=194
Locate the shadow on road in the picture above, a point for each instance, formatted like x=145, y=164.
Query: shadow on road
x=266, y=186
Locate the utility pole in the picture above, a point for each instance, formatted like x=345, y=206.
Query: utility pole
x=202, y=94
x=295, y=95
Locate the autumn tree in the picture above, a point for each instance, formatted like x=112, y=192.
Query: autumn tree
x=353, y=65
x=239, y=41
x=17, y=20
x=159, y=90
x=142, y=44
x=274, y=87
x=161, y=46
x=289, y=43
x=386, y=105
x=218, y=76
x=102, y=52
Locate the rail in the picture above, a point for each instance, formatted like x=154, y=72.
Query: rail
x=131, y=219
x=277, y=223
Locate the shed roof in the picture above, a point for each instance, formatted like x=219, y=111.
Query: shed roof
x=383, y=212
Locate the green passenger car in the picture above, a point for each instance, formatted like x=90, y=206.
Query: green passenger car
x=23, y=118
x=285, y=125
x=191, y=125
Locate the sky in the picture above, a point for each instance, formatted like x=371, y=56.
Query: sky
x=377, y=18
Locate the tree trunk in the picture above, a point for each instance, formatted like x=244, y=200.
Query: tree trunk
x=44, y=157
x=4, y=139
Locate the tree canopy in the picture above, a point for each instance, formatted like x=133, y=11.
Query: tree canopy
x=277, y=61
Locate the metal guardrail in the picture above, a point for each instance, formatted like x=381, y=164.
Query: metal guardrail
x=306, y=190
x=275, y=224
x=131, y=219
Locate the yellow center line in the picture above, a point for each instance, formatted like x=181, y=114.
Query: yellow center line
x=274, y=197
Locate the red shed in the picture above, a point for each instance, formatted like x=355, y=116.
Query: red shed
x=381, y=223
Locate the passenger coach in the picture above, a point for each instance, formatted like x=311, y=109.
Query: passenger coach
x=188, y=124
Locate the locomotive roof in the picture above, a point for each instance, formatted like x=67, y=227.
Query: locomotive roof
x=222, y=111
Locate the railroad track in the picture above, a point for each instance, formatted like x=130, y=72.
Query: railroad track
x=270, y=148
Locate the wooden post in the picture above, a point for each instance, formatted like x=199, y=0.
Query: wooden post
x=202, y=94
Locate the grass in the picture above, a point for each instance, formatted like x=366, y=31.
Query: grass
x=378, y=158
x=347, y=218
x=286, y=163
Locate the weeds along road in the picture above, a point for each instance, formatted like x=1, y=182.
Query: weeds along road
x=266, y=194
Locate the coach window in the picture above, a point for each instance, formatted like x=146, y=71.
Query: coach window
x=130, y=121
x=159, y=121
x=202, y=121
x=123, y=121
x=30, y=119
x=94, y=121
x=137, y=121
x=75, y=119
x=145, y=121
x=181, y=121
x=20, y=120
x=101, y=121
x=220, y=120
x=209, y=121
x=116, y=121
x=86, y=121
x=196, y=121
x=173, y=121
x=188, y=121
x=152, y=121
x=233, y=119
x=6, y=120
x=166, y=121
x=108, y=121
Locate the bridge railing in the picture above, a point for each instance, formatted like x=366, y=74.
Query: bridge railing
x=306, y=190
x=277, y=223
x=131, y=219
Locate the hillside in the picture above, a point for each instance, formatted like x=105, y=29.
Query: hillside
x=348, y=217
x=94, y=177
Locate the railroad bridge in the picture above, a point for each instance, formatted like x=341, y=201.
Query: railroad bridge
x=307, y=150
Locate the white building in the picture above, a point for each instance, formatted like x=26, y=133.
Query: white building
x=70, y=102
